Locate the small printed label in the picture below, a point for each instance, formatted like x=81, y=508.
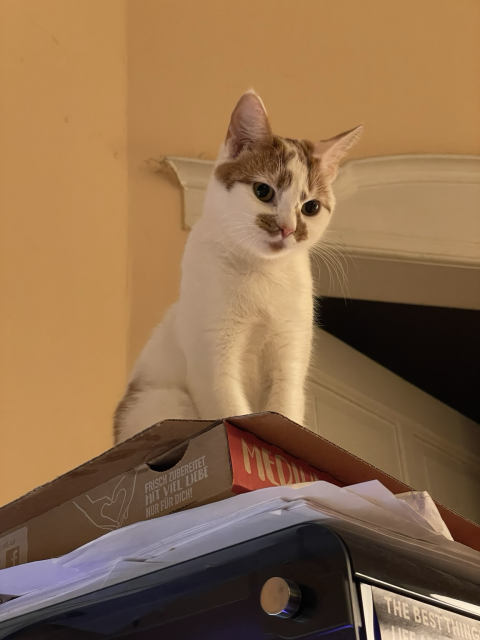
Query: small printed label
x=401, y=618
x=13, y=548
x=173, y=489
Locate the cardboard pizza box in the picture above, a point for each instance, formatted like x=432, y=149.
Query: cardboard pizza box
x=177, y=465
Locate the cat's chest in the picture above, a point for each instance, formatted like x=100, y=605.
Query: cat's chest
x=220, y=290
x=270, y=294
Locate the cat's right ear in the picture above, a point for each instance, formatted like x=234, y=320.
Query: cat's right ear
x=248, y=124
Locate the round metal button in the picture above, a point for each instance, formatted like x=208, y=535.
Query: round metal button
x=280, y=597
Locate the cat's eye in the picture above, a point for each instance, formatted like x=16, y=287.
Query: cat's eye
x=264, y=192
x=311, y=208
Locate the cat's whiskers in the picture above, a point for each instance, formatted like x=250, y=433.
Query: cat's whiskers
x=333, y=262
x=242, y=241
x=337, y=269
x=341, y=250
x=231, y=224
x=247, y=245
x=232, y=230
x=319, y=260
x=340, y=256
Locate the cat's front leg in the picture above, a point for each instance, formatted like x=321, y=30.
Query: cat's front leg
x=289, y=358
x=215, y=376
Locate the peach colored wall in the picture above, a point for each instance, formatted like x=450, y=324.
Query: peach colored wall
x=63, y=234
x=90, y=254
x=409, y=70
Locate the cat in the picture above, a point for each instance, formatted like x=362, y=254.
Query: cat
x=238, y=340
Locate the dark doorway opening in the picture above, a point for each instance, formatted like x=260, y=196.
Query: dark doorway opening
x=435, y=348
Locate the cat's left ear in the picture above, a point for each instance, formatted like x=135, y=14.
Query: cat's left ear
x=248, y=124
x=331, y=151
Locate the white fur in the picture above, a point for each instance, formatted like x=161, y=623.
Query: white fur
x=239, y=338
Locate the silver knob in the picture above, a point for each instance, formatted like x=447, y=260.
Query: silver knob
x=280, y=597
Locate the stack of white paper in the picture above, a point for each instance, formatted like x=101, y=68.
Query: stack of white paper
x=145, y=547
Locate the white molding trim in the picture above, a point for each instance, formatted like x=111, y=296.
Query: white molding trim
x=413, y=208
x=193, y=174
x=369, y=185
x=406, y=169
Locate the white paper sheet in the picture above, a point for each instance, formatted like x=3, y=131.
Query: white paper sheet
x=422, y=503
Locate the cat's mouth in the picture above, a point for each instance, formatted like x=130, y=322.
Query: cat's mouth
x=278, y=245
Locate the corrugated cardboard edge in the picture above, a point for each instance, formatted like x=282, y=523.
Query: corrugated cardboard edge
x=339, y=463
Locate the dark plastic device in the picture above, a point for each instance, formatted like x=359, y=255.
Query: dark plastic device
x=308, y=581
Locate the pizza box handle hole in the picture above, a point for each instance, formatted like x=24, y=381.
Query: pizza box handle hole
x=169, y=459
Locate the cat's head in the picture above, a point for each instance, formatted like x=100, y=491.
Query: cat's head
x=269, y=195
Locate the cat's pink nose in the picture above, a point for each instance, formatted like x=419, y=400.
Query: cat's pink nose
x=286, y=231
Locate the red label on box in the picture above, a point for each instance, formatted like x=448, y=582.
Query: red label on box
x=257, y=464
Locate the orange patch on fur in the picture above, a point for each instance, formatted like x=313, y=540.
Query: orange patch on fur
x=265, y=161
x=301, y=232
x=267, y=222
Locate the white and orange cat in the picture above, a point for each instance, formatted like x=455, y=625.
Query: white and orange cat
x=239, y=338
